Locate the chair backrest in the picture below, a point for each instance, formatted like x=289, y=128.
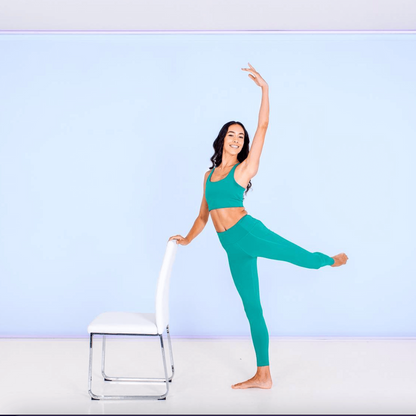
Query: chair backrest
x=162, y=291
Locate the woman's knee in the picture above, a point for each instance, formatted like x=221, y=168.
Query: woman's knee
x=254, y=311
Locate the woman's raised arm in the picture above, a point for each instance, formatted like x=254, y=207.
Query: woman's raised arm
x=253, y=158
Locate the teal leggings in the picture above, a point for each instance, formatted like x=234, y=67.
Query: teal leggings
x=246, y=240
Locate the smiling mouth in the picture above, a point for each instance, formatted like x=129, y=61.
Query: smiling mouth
x=232, y=145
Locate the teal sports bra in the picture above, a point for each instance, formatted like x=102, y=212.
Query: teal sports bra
x=225, y=193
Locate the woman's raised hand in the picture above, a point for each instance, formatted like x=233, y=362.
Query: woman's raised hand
x=256, y=77
x=179, y=240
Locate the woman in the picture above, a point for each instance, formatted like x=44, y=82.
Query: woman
x=243, y=237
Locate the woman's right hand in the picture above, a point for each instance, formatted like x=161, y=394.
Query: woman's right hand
x=179, y=240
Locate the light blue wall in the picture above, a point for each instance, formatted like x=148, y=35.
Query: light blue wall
x=104, y=142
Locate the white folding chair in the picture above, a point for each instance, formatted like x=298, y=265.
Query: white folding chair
x=137, y=324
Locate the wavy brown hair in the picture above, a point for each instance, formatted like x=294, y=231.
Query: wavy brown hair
x=218, y=146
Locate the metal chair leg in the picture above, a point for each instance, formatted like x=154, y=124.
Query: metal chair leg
x=164, y=366
x=137, y=379
x=103, y=358
x=126, y=397
x=90, y=368
x=171, y=354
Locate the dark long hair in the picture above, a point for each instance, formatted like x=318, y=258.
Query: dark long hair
x=218, y=146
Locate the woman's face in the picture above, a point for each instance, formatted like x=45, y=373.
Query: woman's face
x=234, y=139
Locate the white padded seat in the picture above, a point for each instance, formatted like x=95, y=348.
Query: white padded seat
x=124, y=323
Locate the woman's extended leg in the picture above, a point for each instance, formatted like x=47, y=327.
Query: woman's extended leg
x=262, y=242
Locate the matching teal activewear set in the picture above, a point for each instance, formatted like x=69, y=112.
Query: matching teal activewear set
x=244, y=242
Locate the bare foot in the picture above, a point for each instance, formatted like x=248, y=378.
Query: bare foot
x=340, y=259
x=262, y=380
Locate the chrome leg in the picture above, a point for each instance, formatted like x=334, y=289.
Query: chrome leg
x=90, y=368
x=138, y=379
x=125, y=397
x=164, y=366
x=103, y=359
x=171, y=354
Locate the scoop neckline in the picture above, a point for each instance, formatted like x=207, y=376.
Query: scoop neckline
x=226, y=176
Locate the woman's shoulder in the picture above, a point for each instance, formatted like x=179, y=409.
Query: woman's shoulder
x=207, y=173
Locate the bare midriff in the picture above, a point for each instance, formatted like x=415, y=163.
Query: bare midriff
x=224, y=218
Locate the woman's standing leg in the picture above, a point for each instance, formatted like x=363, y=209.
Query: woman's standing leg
x=244, y=272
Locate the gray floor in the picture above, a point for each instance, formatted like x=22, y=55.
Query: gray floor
x=310, y=375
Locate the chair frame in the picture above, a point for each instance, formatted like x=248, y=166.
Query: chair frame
x=110, y=379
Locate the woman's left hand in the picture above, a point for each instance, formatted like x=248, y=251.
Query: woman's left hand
x=256, y=77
